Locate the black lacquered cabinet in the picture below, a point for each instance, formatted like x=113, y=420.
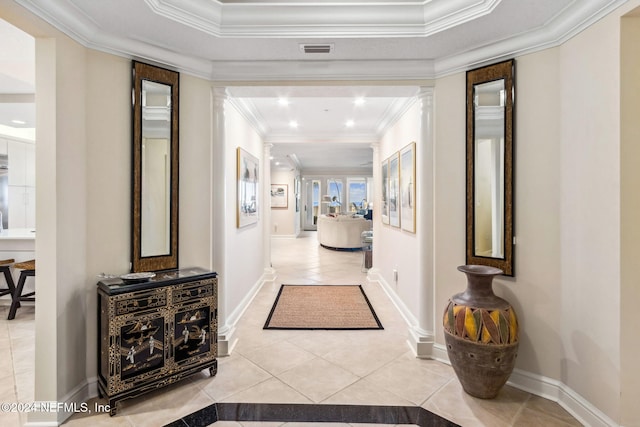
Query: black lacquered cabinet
x=155, y=333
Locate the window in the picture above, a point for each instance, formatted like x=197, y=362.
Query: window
x=335, y=191
x=357, y=193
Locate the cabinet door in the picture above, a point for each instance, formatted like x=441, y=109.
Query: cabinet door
x=30, y=165
x=17, y=205
x=17, y=154
x=30, y=208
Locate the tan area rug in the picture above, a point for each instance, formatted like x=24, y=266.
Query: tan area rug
x=322, y=307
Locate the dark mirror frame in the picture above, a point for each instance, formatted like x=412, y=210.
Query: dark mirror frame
x=152, y=73
x=503, y=70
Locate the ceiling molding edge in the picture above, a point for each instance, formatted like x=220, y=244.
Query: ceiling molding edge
x=336, y=20
x=84, y=31
x=248, y=110
x=311, y=173
x=80, y=28
x=339, y=138
x=567, y=25
x=335, y=70
x=394, y=113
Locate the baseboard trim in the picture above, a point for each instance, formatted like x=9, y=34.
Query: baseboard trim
x=75, y=398
x=226, y=339
x=284, y=236
x=420, y=342
x=566, y=397
x=373, y=275
x=42, y=424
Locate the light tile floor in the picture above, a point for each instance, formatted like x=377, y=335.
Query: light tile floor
x=371, y=367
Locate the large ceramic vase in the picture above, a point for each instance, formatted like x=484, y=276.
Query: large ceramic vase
x=481, y=333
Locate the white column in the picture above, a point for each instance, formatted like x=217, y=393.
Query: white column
x=219, y=213
x=269, y=273
x=422, y=335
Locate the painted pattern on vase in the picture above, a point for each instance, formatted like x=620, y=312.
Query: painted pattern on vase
x=481, y=325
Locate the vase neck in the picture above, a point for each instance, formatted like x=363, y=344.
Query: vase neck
x=480, y=285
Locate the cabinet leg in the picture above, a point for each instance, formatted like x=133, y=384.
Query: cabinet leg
x=213, y=370
x=113, y=408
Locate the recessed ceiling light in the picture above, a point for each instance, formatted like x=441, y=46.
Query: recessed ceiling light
x=18, y=122
x=283, y=101
x=359, y=101
x=349, y=123
x=293, y=124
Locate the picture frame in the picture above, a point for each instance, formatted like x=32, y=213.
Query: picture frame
x=385, y=191
x=248, y=180
x=408, y=188
x=279, y=196
x=394, y=190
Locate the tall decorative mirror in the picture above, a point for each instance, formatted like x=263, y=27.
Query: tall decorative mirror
x=490, y=106
x=155, y=168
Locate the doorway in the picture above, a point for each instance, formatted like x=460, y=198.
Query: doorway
x=311, y=204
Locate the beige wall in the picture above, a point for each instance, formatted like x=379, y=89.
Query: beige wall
x=630, y=219
x=196, y=181
x=108, y=163
x=590, y=214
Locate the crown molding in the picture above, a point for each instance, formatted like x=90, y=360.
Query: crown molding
x=566, y=25
x=329, y=70
x=322, y=19
x=362, y=138
x=394, y=113
x=571, y=21
x=248, y=110
x=69, y=20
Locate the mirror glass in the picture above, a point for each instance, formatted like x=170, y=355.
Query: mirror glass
x=490, y=166
x=155, y=168
x=489, y=169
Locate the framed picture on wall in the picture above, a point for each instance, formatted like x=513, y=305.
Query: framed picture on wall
x=408, y=187
x=394, y=190
x=279, y=196
x=248, y=187
x=385, y=191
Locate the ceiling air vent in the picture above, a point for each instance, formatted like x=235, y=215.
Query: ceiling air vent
x=316, y=48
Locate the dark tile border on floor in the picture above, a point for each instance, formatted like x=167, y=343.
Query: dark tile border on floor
x=312, y=413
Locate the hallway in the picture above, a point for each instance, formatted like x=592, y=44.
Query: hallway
x=370, y=367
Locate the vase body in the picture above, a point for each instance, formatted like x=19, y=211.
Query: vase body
x=481, y=333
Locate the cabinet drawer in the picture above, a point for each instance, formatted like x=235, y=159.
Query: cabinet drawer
x=189, y=292
x=135, y=302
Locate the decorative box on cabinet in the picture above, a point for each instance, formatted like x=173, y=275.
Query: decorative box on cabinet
x=155, y=333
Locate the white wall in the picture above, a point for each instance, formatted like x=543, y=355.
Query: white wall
x=394, y=248
x=244, y=246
